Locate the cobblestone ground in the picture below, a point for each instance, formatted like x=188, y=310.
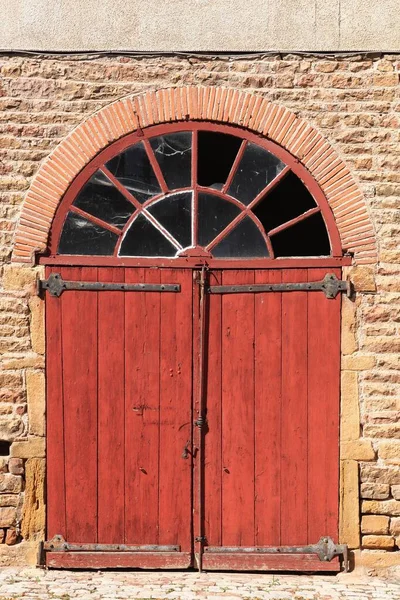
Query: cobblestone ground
x=70, y=585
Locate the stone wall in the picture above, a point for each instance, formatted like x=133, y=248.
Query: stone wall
x=354, y=103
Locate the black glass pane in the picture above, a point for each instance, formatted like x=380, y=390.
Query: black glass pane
x=244, y=241
x=306, y=238
x=174, y=155
x=175, y=214
x=133, y=169
x=288, y=200
x=256, y=169
x=143, y=239
x=214, y=214
x=80, y=236
x=216, y=154
x=100, y=198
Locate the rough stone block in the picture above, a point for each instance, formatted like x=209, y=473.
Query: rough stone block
x=11, y=427
x=375, y=524
x=10, y=484
x=37, y=328
x=34, y=517
x=378, y=541
x=386, y=507
x=358, y=362
x=349, y=522
x=375, y=491
x=7, y=516
x=380, y=474
x=363, y=279
x=36, y=391
x=16, y=466
x=19, y=278
x=390, y=451
x=11, y=537
x=350, y=412
x=33, y=447
x=395, y=526
x=9, y=499
x=357, y=450
x=396, y=492
x=348, y=338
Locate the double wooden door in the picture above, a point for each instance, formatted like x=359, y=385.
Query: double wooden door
x=186, y=429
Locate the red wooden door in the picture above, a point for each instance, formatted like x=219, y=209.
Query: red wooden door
x=119, y=414
x=272, y=438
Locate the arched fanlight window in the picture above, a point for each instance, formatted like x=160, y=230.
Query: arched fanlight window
x=212, y=191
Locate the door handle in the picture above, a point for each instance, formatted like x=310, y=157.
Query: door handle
x=186, y=451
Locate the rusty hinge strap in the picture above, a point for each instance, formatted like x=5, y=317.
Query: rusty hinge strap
x=58, y=544
x=56, y=285
x=325, y=549
x=330, y=285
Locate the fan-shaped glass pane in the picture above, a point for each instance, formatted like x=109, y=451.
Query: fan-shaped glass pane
x=100, y=198
x=80, y=236
x=174, y=213
x=306, y=238
x=289, y=199
x=216, y=155
x=143, y=239
x=133, y=169
x=214, y=214
x=257, y=169
x=244, y=241
x=174, y=155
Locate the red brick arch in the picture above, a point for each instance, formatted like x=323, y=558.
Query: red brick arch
x=223, y=105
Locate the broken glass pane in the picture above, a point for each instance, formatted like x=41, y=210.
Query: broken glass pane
x=143, y=239
x=257, y=169
x=133, y=169
x=174, y=155
x=244, y=241
x=306, y=238
x=214, y=215
x=101, y=199
x=174, y=213
x=80, y=236
x=216, y=155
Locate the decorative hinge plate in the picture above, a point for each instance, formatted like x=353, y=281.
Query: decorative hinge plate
x=330, y=285
x=56, y=285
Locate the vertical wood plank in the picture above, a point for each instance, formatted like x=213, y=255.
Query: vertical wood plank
x=55, y=480
x=213, y=437
x=268, y=380
x=111, y=410
x=142, y=322
x=294, y=486
x=238, y=413
x=79, y=341
x=323, y=411
x=175, y=506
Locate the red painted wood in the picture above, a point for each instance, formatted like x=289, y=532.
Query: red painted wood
x=268, y=402
x=294, y=490
x=238, y=413
x=267, y=562
x=213, y=473
x=175, y=472
x=142, y=392
x=79, y=363
x=56, y=518
x=111, y=410
x=118, y=560
x=323, y=411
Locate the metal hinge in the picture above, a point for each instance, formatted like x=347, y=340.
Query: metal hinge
x=330, y=285
x=58, y=544
x=56, y=285
x=325, y=549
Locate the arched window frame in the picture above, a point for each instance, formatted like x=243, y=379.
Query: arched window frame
x=293, y=164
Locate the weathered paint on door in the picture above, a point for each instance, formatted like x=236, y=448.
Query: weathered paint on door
x=121, y=406
x=119, y=389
